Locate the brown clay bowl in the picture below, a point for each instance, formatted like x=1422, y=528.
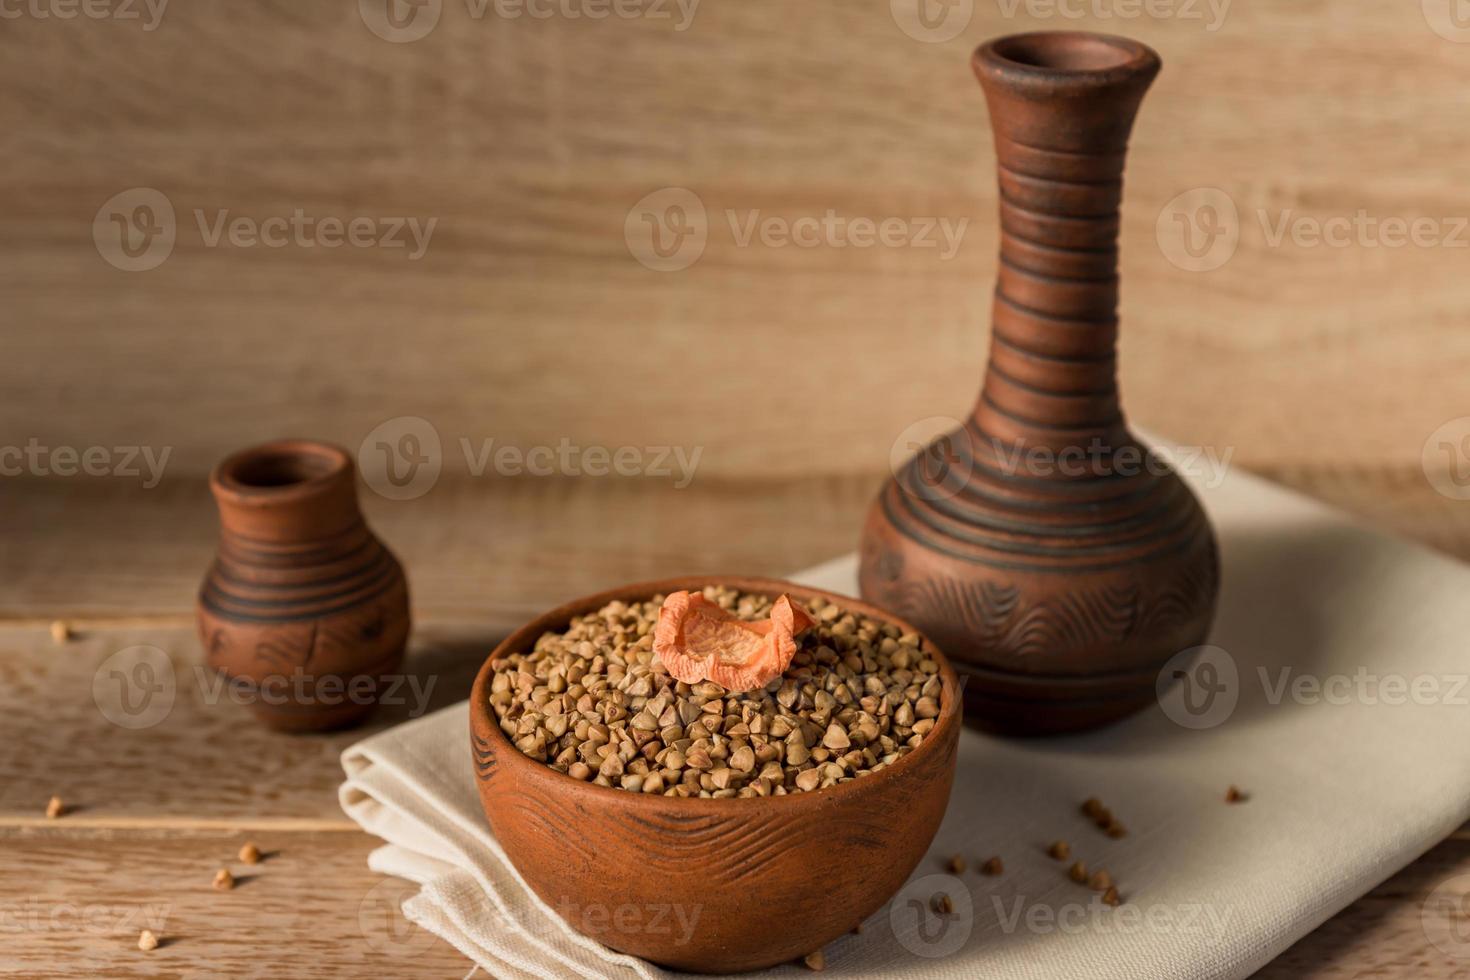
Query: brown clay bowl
x=711, y=885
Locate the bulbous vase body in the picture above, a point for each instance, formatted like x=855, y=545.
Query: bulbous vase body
x=1056, y=558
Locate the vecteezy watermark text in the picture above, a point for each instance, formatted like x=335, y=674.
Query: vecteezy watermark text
x=37, y=914
x=1200, y=687
x=567, y=458
x=833, y=230
x=405, y=21
x=302, y=230
x=669, y=229
x=934, y=457
x=148, y=12
x=34, y=459
x=136, y=688
x=1201, y=229
x=402, y=458
x=1072, y=918
x=1211, y=13
x=136, y=230
x=672, y=919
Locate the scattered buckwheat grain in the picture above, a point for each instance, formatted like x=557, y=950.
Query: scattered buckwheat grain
x=55, y=808
x=147, y=940
x=1234, y=795
x=223, y=880
x=1100, y=881
x=250, y=854
x=1078, y=873
x=942, y=904
x=992, y=866
x=816, y=962
x=593, y=702
x=1111, y=897
x=1059, y=850
x=60, y=631
x=957, y=864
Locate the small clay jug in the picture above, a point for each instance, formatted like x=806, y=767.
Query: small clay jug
x=1053, y=556
x=303, y=610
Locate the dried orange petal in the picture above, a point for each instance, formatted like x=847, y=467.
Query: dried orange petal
x=697, y=640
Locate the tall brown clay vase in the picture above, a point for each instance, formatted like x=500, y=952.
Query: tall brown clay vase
x=303, y=608
x=1041, y=546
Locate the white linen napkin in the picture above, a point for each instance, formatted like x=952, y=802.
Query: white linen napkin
x=1340, y=709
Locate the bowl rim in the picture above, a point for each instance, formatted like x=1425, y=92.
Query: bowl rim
x=482, y=724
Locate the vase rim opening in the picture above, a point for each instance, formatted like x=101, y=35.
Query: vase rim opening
x=287, y=467
x=1069, y=54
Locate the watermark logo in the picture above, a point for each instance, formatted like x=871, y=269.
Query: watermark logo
x=1199, y=230
x=667, y=230
x=401, y=459
x=931, y=459
x=932, y=21
x=134, y=230
x=148, y=12
x=1446, y=459
x=382, y=923
x=1445, y=917
x=1210, y=13
x=400, y=21
x=1450, y=19
x=1199, y=688
x=919, y=925
x=135, y=687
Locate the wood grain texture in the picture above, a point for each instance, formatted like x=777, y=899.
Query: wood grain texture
x=74, y=901
x=157, y=809
x=1386, y=933
x=498, y=551
x=531, y=139
x=172, y=747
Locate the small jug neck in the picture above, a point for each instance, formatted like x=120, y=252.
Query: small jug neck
x=286, y=491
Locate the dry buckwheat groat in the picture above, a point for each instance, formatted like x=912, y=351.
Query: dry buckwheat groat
x=594, y=702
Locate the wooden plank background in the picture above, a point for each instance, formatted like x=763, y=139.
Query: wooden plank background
x=529, y=140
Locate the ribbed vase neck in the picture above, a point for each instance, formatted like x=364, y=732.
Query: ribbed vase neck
x=1062, y=107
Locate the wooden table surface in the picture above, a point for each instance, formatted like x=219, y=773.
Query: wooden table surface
x=155, y=811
